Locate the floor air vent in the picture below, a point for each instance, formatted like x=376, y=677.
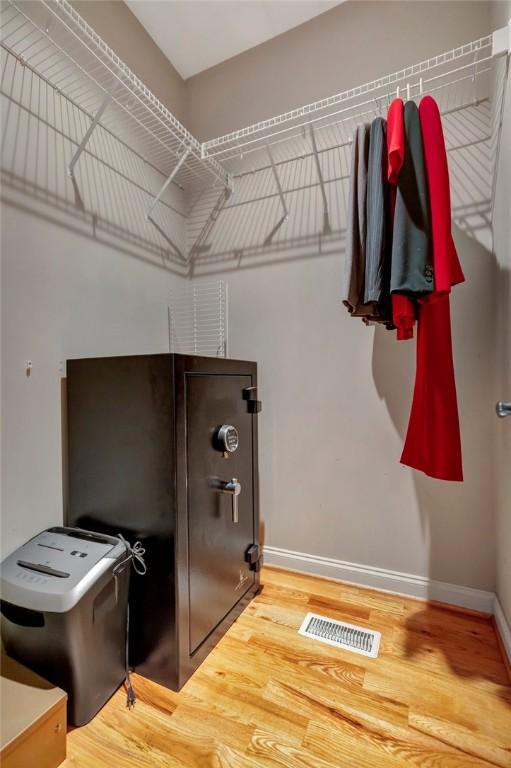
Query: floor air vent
x=340, y=634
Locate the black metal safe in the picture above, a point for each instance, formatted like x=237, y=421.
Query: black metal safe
x=163, y=449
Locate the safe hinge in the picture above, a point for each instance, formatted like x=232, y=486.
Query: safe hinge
x=253, y=404
x=254, y=557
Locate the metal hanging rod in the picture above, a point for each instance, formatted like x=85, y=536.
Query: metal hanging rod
x=330, y=147
x=352, y=113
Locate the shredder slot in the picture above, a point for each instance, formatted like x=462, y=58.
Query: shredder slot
x=88, y=536
x=39, y=568
x=49, y=546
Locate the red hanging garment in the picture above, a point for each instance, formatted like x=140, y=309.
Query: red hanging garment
x=403, y=310
x=433, y=442
x=395, y=144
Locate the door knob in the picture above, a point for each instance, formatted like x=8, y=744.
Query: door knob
x=503, y=409
x=234, y=489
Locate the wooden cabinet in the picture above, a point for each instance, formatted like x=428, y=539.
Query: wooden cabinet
x=33, y=719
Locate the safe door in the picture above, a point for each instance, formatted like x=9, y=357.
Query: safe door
x=220, y=498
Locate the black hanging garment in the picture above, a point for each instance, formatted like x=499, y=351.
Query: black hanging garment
x=356, y=227
x=378, y=237
x=412, y=261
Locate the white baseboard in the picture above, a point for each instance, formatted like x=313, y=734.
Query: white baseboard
x=503, y=627
x=379, y=578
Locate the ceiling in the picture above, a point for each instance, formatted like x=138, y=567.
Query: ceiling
x=197, y=34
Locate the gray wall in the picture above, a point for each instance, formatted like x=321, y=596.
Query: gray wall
x=501, y=13
x=63, y=295
x=336, y=394
x=83, y=273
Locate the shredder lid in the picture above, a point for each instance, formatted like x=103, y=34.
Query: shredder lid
x=52, y=571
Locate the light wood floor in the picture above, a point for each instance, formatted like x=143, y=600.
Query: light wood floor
x=438, y=696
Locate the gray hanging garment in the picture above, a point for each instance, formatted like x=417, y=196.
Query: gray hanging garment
x=355, y=259
x=378, y=238
x=412, y=262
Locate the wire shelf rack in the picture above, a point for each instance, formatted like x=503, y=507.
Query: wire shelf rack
x=53, y=40
x=453, y=77
x=292, y=169
x=143, y=176
x=198, y=319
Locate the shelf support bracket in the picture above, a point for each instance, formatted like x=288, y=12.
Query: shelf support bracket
x=97, y=117
x=175, y=171
x=279, y=186
x=326, y=221
x=285, y=214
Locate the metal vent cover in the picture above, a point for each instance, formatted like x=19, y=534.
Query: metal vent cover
x=341, y=635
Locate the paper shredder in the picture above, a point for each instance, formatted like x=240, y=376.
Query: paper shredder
x=63, y=613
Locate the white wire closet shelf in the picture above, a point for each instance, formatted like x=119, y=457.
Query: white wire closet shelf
x=53, y=40
x=292, y=170
x=456, y=78
x=267, y=165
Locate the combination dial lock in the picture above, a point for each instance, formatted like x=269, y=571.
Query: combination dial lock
x=227, y=439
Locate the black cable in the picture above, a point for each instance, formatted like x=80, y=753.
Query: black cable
x=136, y=555
x=131, y=696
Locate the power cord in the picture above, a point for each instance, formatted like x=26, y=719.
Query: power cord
x=136, y=556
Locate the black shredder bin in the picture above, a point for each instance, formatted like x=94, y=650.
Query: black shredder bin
x=63, y=613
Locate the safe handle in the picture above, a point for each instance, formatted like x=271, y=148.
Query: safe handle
x=234, y=488
x=503, y=409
